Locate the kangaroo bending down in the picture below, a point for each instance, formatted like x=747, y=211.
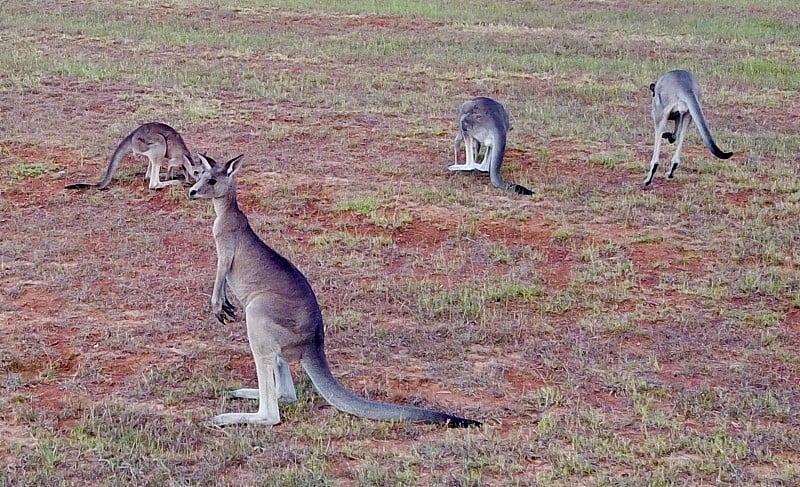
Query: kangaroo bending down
x=154, y=140
x=283, y=318
x=484, y=121
x=676, y=96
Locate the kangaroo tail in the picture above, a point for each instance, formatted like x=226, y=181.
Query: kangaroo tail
x=122, y=149
x=80, y=186
x=697, y=115
x=316, y=366
x=497, y=152
x=520, y=189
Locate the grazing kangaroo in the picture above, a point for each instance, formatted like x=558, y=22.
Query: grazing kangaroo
x=283, y=319
x=676, y=96
x=483, y=121
x=154, y=140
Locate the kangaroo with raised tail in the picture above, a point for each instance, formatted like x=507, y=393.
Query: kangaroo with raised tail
x=484, y=121
x=676, y=96
x=156, y=141
x=284, y=321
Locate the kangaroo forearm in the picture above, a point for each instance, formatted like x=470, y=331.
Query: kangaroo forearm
x=218, y=295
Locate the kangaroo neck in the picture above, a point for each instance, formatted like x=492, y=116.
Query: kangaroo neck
x=229, y=216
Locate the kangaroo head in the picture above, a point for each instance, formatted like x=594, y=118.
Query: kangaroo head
x=216, y=179
x=194, y=168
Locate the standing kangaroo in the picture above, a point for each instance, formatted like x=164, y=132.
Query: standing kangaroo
x=154, y=140
x=283, y=318
x=676, y=96
x=484, y=121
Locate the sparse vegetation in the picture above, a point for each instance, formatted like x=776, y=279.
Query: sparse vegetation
x=24, y=170
x=607, y=334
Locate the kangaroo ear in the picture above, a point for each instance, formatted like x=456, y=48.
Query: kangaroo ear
x=653, y=89
x=205, y=162
x=233, y=166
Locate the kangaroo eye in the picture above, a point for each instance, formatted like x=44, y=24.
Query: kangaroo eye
x=212, y=182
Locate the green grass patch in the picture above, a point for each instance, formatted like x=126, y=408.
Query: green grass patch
x=28, y=170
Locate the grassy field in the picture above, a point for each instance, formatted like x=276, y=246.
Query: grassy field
x=605, y=333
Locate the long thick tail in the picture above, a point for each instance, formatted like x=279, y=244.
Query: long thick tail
x=497, y=152
x=122, y=149
x=697, y=115
x=316, y=366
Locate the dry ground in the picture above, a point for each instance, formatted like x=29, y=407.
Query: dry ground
x=606, y=333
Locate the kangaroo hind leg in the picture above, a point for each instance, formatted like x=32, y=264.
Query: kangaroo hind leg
x=485, y=165
x=267, y=401
x=681, y=127
x=459, y=139
x=176, y=163
x=155, y=154
x=670, y=136
x=266, y=356
x=470, y=146
x=283, y=383
x=470, y=154
x=660, y=124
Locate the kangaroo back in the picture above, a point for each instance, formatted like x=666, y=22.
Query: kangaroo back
x=175, y=143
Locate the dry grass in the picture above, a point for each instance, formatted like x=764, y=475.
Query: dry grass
x=607, y=334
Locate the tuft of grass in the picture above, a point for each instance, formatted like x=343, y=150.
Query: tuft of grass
x=548, y=397
x=391, y=220
x=362, y=206
x=329, y=240
x=470, y=303
x=562, y=235
x=28, y=170
x=469, y=227
x=614, y=160
x=347, y=239
x=648, y=239
x=500, y=253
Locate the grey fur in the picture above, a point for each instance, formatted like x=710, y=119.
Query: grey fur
x=155, y=141
x=483, y=121
x=676, y=96
x=283, y=318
